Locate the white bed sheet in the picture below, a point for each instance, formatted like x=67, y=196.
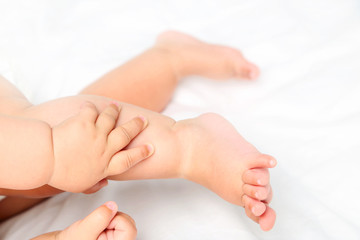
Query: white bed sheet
x=304, y=109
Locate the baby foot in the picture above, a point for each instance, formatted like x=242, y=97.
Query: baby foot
x=194, y=57
x=220, y=159
x=102, y=224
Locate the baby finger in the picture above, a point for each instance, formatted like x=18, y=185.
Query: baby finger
x=124, y=160
x=121, y=136
x=107, y=119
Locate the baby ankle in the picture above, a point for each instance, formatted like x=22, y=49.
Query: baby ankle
x=188, y=135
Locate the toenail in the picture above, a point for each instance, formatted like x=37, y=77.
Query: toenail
x=257, y=195
x=253, y=209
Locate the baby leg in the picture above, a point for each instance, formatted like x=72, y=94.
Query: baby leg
x=207, y=150
x=176, y=143
x=149, y=79
x=102, y=224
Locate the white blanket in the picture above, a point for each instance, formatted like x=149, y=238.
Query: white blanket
x=304, y=109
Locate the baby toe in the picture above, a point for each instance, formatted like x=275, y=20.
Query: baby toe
x=257, y=192
x=256, y=207
x=251, y=215
x=257, y=176
x=269, y=197
x=262, y=161
x=247, y=70
x=267, y=220
x=242, y=71
x=254, y=72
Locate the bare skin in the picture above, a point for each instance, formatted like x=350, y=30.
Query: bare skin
x=104, y=223
x=73, y=155
x=173, y=57
x=88, y=148
x=193, y=149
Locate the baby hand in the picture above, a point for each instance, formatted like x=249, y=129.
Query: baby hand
x=88, y=148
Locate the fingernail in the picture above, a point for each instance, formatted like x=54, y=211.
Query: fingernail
x=144, y=120
x=111, y=206
x=115, y=103
x=258, y=181
x=150, y=148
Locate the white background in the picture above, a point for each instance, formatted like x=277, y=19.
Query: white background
x=304, y=109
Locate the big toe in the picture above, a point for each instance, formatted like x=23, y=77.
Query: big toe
x=255, y=206
x=247, y=70
x=257, y=192
x=261, y=161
